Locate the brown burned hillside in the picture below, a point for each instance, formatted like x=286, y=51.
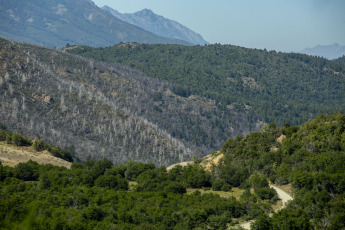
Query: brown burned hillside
x=106, y=110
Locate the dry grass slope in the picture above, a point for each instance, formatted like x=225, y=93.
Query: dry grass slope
x=12, y=155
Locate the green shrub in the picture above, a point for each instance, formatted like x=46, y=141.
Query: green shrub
x=226, y=188
x=175, y=187
x=19, y=140
x=9, y=139
x=112, y=182
x=217, y=184
x=38, y=144
x=267, y=193
x=106, y=182
x=2, y=135
x=28, y=171
x=60, y=153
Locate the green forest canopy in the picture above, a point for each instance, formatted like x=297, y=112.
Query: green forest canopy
x=99, y=195
x=272, y=87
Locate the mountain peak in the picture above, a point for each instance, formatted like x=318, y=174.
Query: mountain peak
x=145, y=11
x=149, y=21
x=78, y=22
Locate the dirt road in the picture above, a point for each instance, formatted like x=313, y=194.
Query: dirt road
x=282, y=195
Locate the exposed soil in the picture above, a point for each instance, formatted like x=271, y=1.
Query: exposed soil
x=181, y=163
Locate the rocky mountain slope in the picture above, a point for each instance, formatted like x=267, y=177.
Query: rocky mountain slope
x=107, y=110
x=56, y=23
x=149, y=21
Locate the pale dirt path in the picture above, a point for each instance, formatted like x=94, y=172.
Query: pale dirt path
x=11, y=155
x=285, y=197
x=282, y=195
x=246, y=225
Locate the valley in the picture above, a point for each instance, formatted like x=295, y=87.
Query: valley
x=114, y=120
x=108, y=110
x=235, y=191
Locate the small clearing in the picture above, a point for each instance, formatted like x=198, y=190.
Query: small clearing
x=207, y=162
x=235, y=192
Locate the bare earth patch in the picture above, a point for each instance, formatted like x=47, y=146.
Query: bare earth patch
x=211, y=160
x=181, y=163
x=207, y=162
x=11, y=155
x=281, y=138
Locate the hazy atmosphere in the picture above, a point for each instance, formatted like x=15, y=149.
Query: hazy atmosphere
x=274, y=25
x=163, y=115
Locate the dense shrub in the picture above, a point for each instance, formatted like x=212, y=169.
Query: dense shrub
x=2, y=135
x=38, y=144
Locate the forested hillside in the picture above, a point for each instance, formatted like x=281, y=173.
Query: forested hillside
x=310, y=157
x=340, y=60
x=100, y=195
x=270, y=86
x=102, y=110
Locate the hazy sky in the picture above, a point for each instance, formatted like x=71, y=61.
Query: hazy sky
x=284, y=25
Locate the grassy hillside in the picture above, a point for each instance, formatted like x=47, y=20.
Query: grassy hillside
x=104, y=110
x=15, y=149
x=270, y=86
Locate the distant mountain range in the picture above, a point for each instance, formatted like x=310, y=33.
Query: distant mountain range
x=159, y=25
x=56, y=23
x=327, y=51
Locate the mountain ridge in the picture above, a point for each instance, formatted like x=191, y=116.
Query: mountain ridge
x=270, y=86
x=56, y=23
x=148, y=20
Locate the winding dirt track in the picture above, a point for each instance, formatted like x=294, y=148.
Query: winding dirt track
x=282, y=195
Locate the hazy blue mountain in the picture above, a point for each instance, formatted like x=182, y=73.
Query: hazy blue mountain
x=327, y=51
x=159, y=25
x=57, y=22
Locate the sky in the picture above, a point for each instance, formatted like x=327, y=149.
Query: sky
x=281, y=25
